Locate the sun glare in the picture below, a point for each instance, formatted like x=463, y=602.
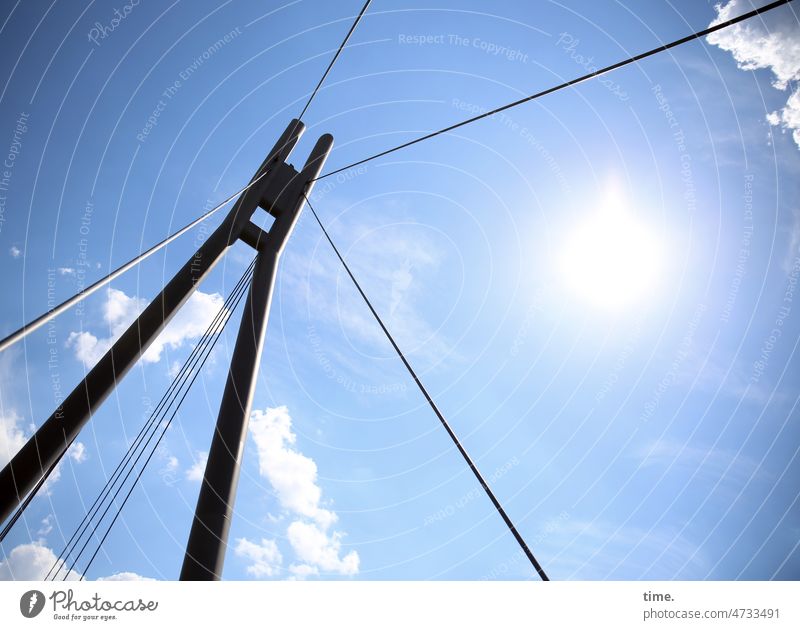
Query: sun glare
x=612, y=260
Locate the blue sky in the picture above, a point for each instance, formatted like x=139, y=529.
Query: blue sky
x=637, y=418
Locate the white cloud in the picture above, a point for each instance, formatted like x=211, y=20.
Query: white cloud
x=318, y=549
x=12, y=436
x=119, y=310
x=126, y=576
x=195, y=473
x=789, y=117
x=15, y=251
x=190, y=322
x=14, y=433
x=293, y=476
x=769, y=42
x=265, y=558
x=66, y=271
x=303, y=570
x=170, y=464
x=77, y=452
x=88, y=348
x=32, y=561
x=47, y=526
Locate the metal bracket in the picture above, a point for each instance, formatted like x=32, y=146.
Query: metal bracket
x=253, y=235
x=280, y=191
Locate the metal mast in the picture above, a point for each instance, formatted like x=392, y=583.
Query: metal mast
x=284, y=199
x=272, y=187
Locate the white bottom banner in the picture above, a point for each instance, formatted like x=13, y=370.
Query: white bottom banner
x=371, y=605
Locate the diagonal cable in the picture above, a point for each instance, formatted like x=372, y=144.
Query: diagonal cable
x=31, y=495
x=335, y=57
x=566, y=84
x=153, y=422
x=158, y=442
x=23, y=506
x=517, y=536
x=151, y=426
x=40, y=321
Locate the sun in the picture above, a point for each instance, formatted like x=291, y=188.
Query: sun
x=612, y=260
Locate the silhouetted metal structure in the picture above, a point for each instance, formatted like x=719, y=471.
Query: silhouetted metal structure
x=280, y=190
x=283, y=197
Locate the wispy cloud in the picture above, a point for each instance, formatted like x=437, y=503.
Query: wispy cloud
x=395, y=262
x=794, y=242
x=13, y=432
x=723, y=374
x=593, y=550
x=264, y=558
x=32, y=561
x=47, y=525
x=126, y=576
x=77, y=452
x=293, y=476
x=196, y=471
x=316, y=548
x=705, y=462
x=12, y=436
x=770, y=42
x=119, y=311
